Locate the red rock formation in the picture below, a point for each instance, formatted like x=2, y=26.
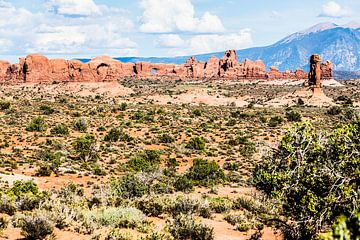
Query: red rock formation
x=39, y=69
x=327, y=70
x=212, y=68
x=3, y=70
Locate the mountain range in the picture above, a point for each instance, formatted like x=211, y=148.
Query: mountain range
x=338, y=43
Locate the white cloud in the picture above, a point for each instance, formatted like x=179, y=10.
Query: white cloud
x=166, y=16
x=52, y=33
x=78, y=40
x=5, y=45
x=170, y=41
x=73, y=7
x=208, y=43
x=333, y=10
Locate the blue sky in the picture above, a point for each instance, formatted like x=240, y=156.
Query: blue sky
x=88, y=28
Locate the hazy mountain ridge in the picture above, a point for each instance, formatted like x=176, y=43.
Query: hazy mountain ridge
x=339, y=44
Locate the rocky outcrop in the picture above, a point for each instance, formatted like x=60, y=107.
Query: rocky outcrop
x=36, y=68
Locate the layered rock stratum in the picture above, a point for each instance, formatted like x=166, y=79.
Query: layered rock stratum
x=36, y=68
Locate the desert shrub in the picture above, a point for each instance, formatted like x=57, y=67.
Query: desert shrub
x=166, y=138
x=345, y=100
x=205, y=173
x=3, y=223
x=47, y=110
x=153, y=206
x=119, y=234
x=293, y=116
x=35, y=227
x=275, y=121
x=184, y=205
x=248, y=148
x=81, y=125
x=334, y=110
x=44, y=170
x=300, y=102
x=171, y=164
x=184, y=227
x=184, y=184
x=344, y=228
x=231, y=166
x=243, y=226
x=20, y=188
x=141, y=116
x=98, y=171
x=147, y=160
x=117, y=217
x=116, y=134
x=129, y=186
x=4, y=105
x=157, y=236
x=7, y=205
x=26, y=195
x=123, y=106
x=196, y=143
x=60, y=129
x=197, y=112
x=316, y=179
x=85, y=146
x=37, y=124
x=220, y=204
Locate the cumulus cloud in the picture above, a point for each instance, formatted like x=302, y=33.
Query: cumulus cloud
x=55, y=33
x=166, y=16
x=73, y=7
x=334, y=10
x=208, y=43
x=170, y=41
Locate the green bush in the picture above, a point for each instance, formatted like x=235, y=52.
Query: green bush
x=20, y=188
x=81, y=125
x=196, y=143
x=123, y=106
x=184, y=227
x=166, y=138
x=220, y=204
x=334, y=110
x=60, y=129
x=119, y=234
x=315, y=178
x=147, y=160
x=184, y=184
x=44, y=170
x=293, y=116
x=36, y=227
x=345, y=228
x=98, y=171
x=117, y=217
x=7, y=205
x=129, y=186
x=197, y=112
x=205, y=173
x=4, y=105
x=37, y=125
x=153, y=206
x=116, y=134
x=85, y=146
x=275, y=121
x=3, y=224
x=47, y=110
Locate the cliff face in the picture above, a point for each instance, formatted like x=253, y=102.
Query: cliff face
x=39, y=69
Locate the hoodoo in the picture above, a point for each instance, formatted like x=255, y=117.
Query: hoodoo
x=36, y=68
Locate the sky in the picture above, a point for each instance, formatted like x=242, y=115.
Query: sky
x=119, y=28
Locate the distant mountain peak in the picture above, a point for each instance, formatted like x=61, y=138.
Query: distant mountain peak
x=320, y=27
x=352, y=24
